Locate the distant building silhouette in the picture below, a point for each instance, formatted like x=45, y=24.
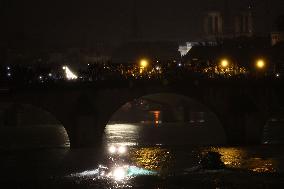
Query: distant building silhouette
x=224, y=22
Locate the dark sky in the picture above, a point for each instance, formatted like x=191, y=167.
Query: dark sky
x=81, y=21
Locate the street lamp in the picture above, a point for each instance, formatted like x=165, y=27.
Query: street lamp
x=260, y=64
x=144, y=63
x=224, y=63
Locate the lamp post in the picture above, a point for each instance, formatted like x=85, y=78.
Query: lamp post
x=143, y=65
x=224, y=63
x=260, y=65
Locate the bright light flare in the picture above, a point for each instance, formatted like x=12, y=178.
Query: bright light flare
x=112, y=149
x=260, y=64
x=69, y=74
x=144, y=63
x=122, y=150
x=224, y=63
x=119, y=173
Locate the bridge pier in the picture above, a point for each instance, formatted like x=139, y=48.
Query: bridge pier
x=84, y=131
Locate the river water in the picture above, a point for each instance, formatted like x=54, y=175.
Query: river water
x=134, y=156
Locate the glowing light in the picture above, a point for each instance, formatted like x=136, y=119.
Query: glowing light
x=151, y=158
x=8, y=68
x=112, y=149
x=119, y=173
x=260, y=64
x=277, y=75
x=9, y=74
x=40, y=77
x=224, y=63
x=122, y=149
x=69, y=74
x=179, y=65
x=50, y=74
x=88, y=173
x=156, y=117
x=133, y=170
x=144, y=63
x=158, y=68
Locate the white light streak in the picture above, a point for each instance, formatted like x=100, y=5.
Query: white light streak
x=112, y=149
x=69, y=74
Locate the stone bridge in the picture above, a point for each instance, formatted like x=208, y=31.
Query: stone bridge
x=242, y=107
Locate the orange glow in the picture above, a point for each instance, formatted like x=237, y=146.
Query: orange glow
x=156, y=117
x=144, y=63
x=224, y=63
x=260, y=64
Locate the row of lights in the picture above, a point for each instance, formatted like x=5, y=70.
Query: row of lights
x=259, y=64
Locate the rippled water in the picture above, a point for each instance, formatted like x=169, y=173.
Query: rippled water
x=151, y=160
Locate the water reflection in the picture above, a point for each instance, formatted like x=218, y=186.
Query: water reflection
x=260, y=165
x=232, y=157
x=122, y=134
x=153, y=158
x=161, y=158
x=239, y=158
x=116, y=169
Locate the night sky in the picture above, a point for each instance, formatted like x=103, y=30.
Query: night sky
x=88, y=21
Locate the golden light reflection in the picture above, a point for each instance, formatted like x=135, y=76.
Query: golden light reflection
x=152, y=158
x=232, y=157
x=260, y=165
x=239, y=159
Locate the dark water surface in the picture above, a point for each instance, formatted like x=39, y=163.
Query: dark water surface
x=148, y=162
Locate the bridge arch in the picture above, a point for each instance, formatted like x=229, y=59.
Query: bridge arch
x=241, y=119
x=85, y=111
x=174, y=109
x=27, y=125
